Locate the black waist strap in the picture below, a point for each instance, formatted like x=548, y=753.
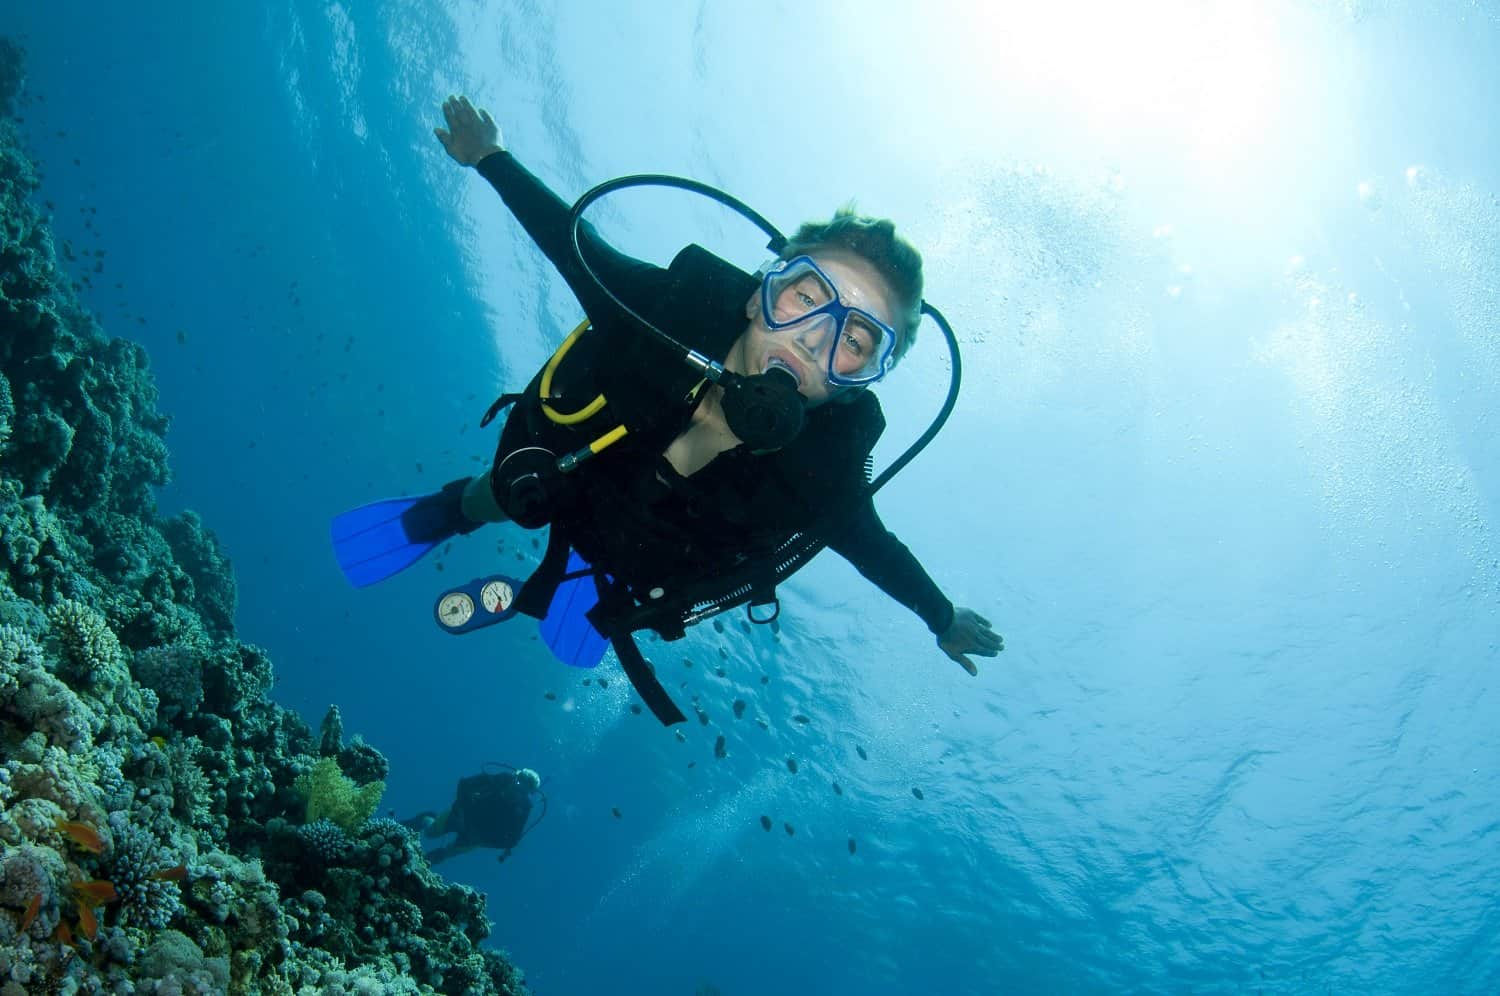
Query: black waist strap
x=535, y=596
x=643, y=676
x=608, y=617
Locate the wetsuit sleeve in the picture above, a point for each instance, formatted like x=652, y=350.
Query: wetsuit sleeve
x=544, y=216
x=864, y=541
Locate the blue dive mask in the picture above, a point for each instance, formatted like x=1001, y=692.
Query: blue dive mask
x=796, y=293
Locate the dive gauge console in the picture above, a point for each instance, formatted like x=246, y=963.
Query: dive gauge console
x=479, y=603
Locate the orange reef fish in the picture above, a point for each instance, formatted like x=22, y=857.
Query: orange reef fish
x=87, y=922
x=81, y=834
x=32, y=909
x=174, y=874
x=95, y=890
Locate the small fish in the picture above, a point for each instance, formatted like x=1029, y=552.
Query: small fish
x=720, y=751
x=681, y=737
x=799, y=718
x=744, y=626
x=63, y=935
x=720, y=672
x=702, y=717
x=861, y=752
x=87, y=922
x=686, y=662
x=160, y=742
x=615, y=810
x=692, y=764
x=791, y=765
x=588, y=681
x=723, y=653
x=96, y=890
x=81, y=834
x=174, y=874
x=550, y=696
x=765, y=824
x=916, y=792
x=635, y=708
x=603, y=682
x=32, y=909
x=851, y=845
x=739, y=708
x=762, y=724
x=765, y=679
x=837, y=789
x=718, y=626
x=791, y=831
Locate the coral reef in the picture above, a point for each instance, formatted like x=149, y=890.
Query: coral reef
x=164, y=826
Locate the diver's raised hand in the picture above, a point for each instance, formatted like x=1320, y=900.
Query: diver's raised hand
x=471, y=133
x=970, y=633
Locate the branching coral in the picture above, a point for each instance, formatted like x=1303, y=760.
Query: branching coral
x=31, y=698
x=197, y=550
x=141, y=870
x=91, y=654
x=325, y=839
x=175, y=673
x=7, y=411
x=27, y=872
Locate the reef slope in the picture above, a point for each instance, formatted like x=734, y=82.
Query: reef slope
x=154, y=801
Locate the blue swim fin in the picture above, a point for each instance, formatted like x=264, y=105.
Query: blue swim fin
x=374, y=541
x=565, y=629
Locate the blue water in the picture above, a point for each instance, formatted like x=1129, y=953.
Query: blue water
x=1224, y=472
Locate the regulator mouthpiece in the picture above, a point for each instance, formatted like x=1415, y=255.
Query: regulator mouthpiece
x=764, y=410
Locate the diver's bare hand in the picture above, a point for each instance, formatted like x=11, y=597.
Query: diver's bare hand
x=970, y=633
x=471, y=133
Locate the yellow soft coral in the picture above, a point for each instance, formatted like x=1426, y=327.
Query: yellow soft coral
x=332, y=795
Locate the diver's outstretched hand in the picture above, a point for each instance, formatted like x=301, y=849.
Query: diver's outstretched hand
x=970, y=633
x=471, y=133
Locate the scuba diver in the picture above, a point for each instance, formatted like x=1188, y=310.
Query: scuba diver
x=692, y=479
x=490, y=809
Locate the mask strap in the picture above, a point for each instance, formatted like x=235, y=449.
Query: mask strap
x=766, y=267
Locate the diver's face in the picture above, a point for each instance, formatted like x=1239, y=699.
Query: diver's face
x=804, y=349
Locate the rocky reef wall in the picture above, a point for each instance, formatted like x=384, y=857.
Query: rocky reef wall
x=154, y=800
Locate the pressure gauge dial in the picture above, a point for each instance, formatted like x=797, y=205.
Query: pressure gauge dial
x=496, y=596
x=455, y=609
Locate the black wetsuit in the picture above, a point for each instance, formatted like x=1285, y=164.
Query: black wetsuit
x=637, y=517
x=490, y=810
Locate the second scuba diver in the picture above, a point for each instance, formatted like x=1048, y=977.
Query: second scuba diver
x=673, y=500
x=491, y=810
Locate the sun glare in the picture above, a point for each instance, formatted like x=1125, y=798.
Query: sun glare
x=1206, y=75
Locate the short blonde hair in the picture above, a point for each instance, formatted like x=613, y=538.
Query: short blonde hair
x=874, y=240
